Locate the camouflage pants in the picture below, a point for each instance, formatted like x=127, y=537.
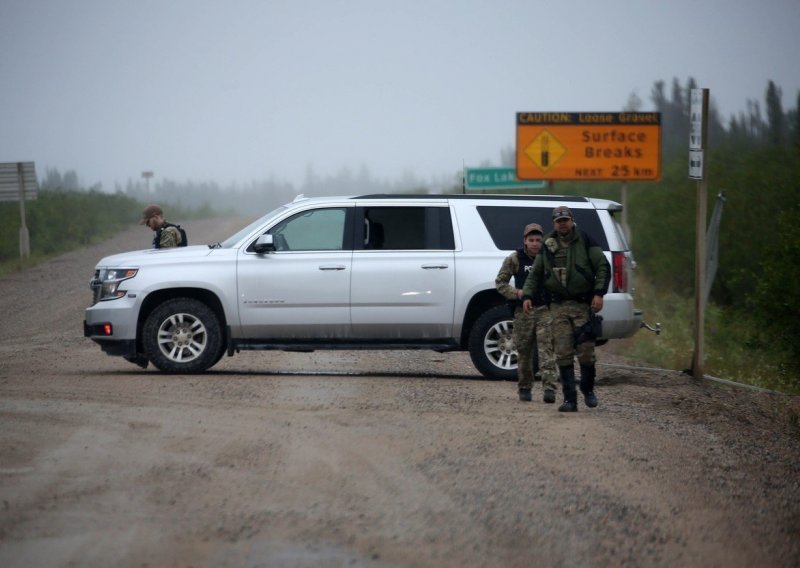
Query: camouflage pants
x=534, y=343
x=567, y=317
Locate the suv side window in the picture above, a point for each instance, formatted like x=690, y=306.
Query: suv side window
x=317, y=229
x=505, y=224
x=404, y=228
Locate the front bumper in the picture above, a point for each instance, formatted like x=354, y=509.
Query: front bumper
x=121, y=314
x=116, y=347
x=110, y=346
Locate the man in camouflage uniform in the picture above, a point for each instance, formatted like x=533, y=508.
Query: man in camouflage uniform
x=166, y=235
x=575, y=272
x=531, y=330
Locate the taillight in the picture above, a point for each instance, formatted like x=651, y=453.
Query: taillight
x=620, y=271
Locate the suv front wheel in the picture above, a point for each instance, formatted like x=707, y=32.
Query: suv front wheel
x=182, y=335
x=491, y=344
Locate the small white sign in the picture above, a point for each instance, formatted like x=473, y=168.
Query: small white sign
x=696, y=164
x=695, y=136
x=696, y=120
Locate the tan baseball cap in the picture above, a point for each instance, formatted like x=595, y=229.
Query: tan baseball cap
x=149, y=212
x=532, y=228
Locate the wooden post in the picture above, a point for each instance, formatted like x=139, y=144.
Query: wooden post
x=624, y=200
x=700, y=282
x=698, y=143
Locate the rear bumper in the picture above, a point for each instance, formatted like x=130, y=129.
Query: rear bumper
x=620, y=318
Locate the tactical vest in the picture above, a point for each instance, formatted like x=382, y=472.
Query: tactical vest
x=525, y=263
x=157, y=239
x=563, y=284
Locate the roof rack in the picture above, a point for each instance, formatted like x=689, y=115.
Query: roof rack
x=564, y=198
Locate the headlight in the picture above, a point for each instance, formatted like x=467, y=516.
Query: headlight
x=105, y=284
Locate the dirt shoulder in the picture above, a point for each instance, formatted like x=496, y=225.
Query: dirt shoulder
x=368, y=458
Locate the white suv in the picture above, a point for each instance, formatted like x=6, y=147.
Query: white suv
x=367, y=272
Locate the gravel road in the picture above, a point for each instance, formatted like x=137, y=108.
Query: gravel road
x=359, y=458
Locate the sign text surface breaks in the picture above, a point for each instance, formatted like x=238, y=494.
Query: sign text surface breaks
x=589, y=145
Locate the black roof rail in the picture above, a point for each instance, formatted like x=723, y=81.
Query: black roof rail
x=566, y=198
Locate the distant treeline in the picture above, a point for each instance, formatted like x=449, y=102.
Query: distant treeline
x=263, y=196
x=771, y=127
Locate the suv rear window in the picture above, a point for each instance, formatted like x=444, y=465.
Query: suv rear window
x=505, y=224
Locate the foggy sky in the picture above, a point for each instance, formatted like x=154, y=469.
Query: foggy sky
x=236, y=91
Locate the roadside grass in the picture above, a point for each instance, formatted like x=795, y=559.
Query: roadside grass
x=736, y=348
x=18, y=264
x=12, y=265
x=61, y=221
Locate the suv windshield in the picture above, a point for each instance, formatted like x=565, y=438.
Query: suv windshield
x=235, y=238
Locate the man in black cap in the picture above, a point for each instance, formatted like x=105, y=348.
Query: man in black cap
x=167, y=235
x=532, y=336
x=573, y=269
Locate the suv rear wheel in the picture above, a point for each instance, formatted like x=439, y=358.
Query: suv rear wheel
x=182, y=335
x=491, y=344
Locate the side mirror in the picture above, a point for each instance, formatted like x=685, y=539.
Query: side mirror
x=264, y=244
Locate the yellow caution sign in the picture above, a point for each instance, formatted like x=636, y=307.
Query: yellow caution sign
x=588, y=146
x=545, y=151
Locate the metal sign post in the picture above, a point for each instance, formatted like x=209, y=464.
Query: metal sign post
x=698, y=143
x=18, y=182
x=712, y=244
x=24, y=235
x=147, y=175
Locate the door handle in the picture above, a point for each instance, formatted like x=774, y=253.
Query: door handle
x=434, y=266
x=332, y=267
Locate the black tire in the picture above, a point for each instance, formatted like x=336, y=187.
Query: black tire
x=182, y=335
x=491, y=344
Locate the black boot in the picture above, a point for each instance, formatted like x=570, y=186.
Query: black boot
x=525, y=395
x=568, y=386
x=587, y=385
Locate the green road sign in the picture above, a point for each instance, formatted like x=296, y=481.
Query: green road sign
x=494, y=179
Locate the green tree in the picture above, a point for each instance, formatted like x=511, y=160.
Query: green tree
x=775, y=118
x=53, y=180
x=755, y=124
x=796, y=123
x=776, y=298
x=634, y=103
